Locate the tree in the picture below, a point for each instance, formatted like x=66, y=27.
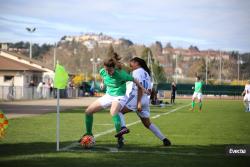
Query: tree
x=63, y=38
x=126, y=42
x=169, y=46
x=110, y=51
x=157, y=71
x=193, y=48
x=158, y=46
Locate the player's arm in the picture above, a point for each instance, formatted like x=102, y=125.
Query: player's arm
x=128, y=77
x=138, y=84
x=139, y=105
x=102, y=85
x=244, y=92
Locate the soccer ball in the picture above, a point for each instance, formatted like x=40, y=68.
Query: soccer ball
x=87, y=141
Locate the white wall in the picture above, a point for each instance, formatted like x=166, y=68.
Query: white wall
x=18, y=78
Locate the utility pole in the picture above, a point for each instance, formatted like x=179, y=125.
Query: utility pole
x=176, y=66
x=206, y=66
x=31, y=30
x=220, y=68
x=150, y=63
x=238, y=68
x=55, y=55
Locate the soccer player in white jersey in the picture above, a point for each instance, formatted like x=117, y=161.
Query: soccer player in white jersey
x=246, y=99
x=139, y=101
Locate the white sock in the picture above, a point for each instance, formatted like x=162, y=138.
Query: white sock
x=123, y=123
x=156, y=131
x=246, y=105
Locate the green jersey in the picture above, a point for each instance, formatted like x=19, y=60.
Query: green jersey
x=116, y=84
x=198, y=87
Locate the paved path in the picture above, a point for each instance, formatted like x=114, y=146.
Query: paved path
x=17, y=109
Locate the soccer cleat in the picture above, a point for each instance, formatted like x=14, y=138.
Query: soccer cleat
x=166, y=142
x=191, y=109
x=120, y=142
x=124, y=130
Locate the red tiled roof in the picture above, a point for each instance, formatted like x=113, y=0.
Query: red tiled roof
x=8, y=64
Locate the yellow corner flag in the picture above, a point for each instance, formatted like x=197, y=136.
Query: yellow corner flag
x=61, y=77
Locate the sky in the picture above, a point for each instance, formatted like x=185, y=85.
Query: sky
x=208, y=24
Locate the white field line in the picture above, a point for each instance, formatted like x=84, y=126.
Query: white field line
x=116, y=150
x=128, y=125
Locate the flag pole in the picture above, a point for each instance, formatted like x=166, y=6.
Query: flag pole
x=60, y=82
x=58, y=119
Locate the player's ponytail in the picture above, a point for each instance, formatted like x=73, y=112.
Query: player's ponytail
x=113, y=62
x=142, y=64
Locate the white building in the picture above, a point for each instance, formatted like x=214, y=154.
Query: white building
x=17, y=71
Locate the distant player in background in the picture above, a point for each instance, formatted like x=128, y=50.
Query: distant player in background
x=197, y=93
x=246, y=94
x=139, y=101
x=173, y=92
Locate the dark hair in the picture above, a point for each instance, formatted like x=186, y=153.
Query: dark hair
x=198, y=77
x=113, y=62
x=142, y=63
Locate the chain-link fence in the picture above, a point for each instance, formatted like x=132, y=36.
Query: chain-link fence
x=29, y=93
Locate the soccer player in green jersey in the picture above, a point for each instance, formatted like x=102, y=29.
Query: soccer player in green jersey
x=114, y=78
x=197, y=93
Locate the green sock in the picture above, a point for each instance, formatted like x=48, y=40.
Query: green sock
x=117, y=122
x=89, y=123
x=200, y=105
x=193, y=103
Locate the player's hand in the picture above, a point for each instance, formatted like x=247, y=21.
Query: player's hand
x=139, y=107
x=101, y=85
x=148, y=92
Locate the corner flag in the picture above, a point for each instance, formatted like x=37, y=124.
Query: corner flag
x=61, y=77
x=60, y=82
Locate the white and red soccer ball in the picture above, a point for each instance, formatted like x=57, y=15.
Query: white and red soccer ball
x=87, y=141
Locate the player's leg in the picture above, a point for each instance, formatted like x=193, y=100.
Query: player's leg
x=174, y=98
x=124, y=129
x=96, y=106
x=114, y=110
x=200, y=105
x=145, y=118
x=116, y=106
x=92, y=108
x=193, y=101
x=246, y=103
x=200, y=101
x=131, y=105
x=155, y=130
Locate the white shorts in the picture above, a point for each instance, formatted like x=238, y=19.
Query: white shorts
x=246, y=97
x=132, y=105
x=107, y=100
x=197, y=95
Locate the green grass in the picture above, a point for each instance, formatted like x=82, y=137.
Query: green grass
x=199, y=139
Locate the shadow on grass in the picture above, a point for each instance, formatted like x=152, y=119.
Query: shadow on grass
x=44, y=154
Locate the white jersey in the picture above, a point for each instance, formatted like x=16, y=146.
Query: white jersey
x=247, y=88
x=144, y=79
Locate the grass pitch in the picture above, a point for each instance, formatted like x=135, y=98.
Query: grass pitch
x=199, y=139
